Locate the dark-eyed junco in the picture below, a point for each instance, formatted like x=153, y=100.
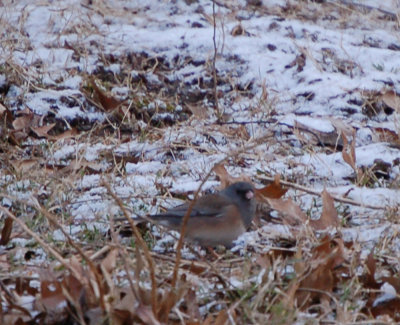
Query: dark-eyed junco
x=215, y=219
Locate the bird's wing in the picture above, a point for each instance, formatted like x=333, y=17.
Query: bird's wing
x=205, y=207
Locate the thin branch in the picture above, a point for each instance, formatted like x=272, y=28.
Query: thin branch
x=216, y=108
x=318, y=193
x=348, y=4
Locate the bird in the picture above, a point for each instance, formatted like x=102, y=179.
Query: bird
x=215, y=219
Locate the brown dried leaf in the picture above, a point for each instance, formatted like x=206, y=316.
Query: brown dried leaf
x=43, y=130
x=51, y=295
x=289, y=298
x=195, y=268
x=16, y=137
x=273, y=190
x=22, y=122
x=123, y=309
x=6, y=115
x=370, y=265
x=223, y=317
x=192, y=305
x=23, y=286
x=292, y=213
x=342, y=127
x=200, y=112
x=391, y=99
x=209, y=320
x=349, y=151
x=393, y=281
x=109, y=263
x=227, y=179
x=238, y=30
x=3, y=109
x=65, y=135
x=146, y=315
x=109, y=103
x=6, y=231
x=387, y=135
x=74, y=288
x=329, y=216
x=264, y=260
x=314, y=286
x=24, y=166
x=319, y=277
x=388, y=308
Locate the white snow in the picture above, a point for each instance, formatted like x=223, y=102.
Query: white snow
x=285, y=72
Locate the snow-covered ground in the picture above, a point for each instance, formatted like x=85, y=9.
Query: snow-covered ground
x=292, y=77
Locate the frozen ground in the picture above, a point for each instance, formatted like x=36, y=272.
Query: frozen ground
x=294, y=79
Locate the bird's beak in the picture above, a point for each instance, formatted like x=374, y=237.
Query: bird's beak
x=249, y=195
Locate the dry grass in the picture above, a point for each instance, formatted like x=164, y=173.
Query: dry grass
x=66, y=259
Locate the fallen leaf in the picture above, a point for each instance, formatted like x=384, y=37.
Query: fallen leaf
x=391, y=99
x=288, y=300
x=292, y=213
x=146, y=315
x=318, y=277
x=369, y=278
x=349, y=148
x=16, y=137
x=65, y=135
x=3, y=109
x=273, y=190
x=227, y=179
x=329, y=216
x=342, y=127
x=109, y=103
x=349, y=151
x=22, y=122
x=51, y=295
x=43, y=130
x=238, y=30
x=223, y=317
x=6, y=231
x=200, y=112
x=24, y=166
x=74, y=288
x=192, y=305
x=109, y=263
x=23, y=286
x=387, y=135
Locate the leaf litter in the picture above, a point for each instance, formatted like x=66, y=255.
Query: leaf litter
x=123, y=94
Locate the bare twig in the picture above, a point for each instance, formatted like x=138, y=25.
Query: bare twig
x=348, y=4
x=318, y=193
x=216, y=108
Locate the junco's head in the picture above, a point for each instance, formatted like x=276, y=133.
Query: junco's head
x=216, y=219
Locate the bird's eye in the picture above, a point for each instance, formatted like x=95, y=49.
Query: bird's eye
x=248, y=194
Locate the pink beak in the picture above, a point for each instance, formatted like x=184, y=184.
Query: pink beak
x=249, y=195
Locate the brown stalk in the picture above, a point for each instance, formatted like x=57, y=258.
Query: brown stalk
x=122, y=250
x=90, y=263
x=142, y=246
x=216, y=108
x=42, y=243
